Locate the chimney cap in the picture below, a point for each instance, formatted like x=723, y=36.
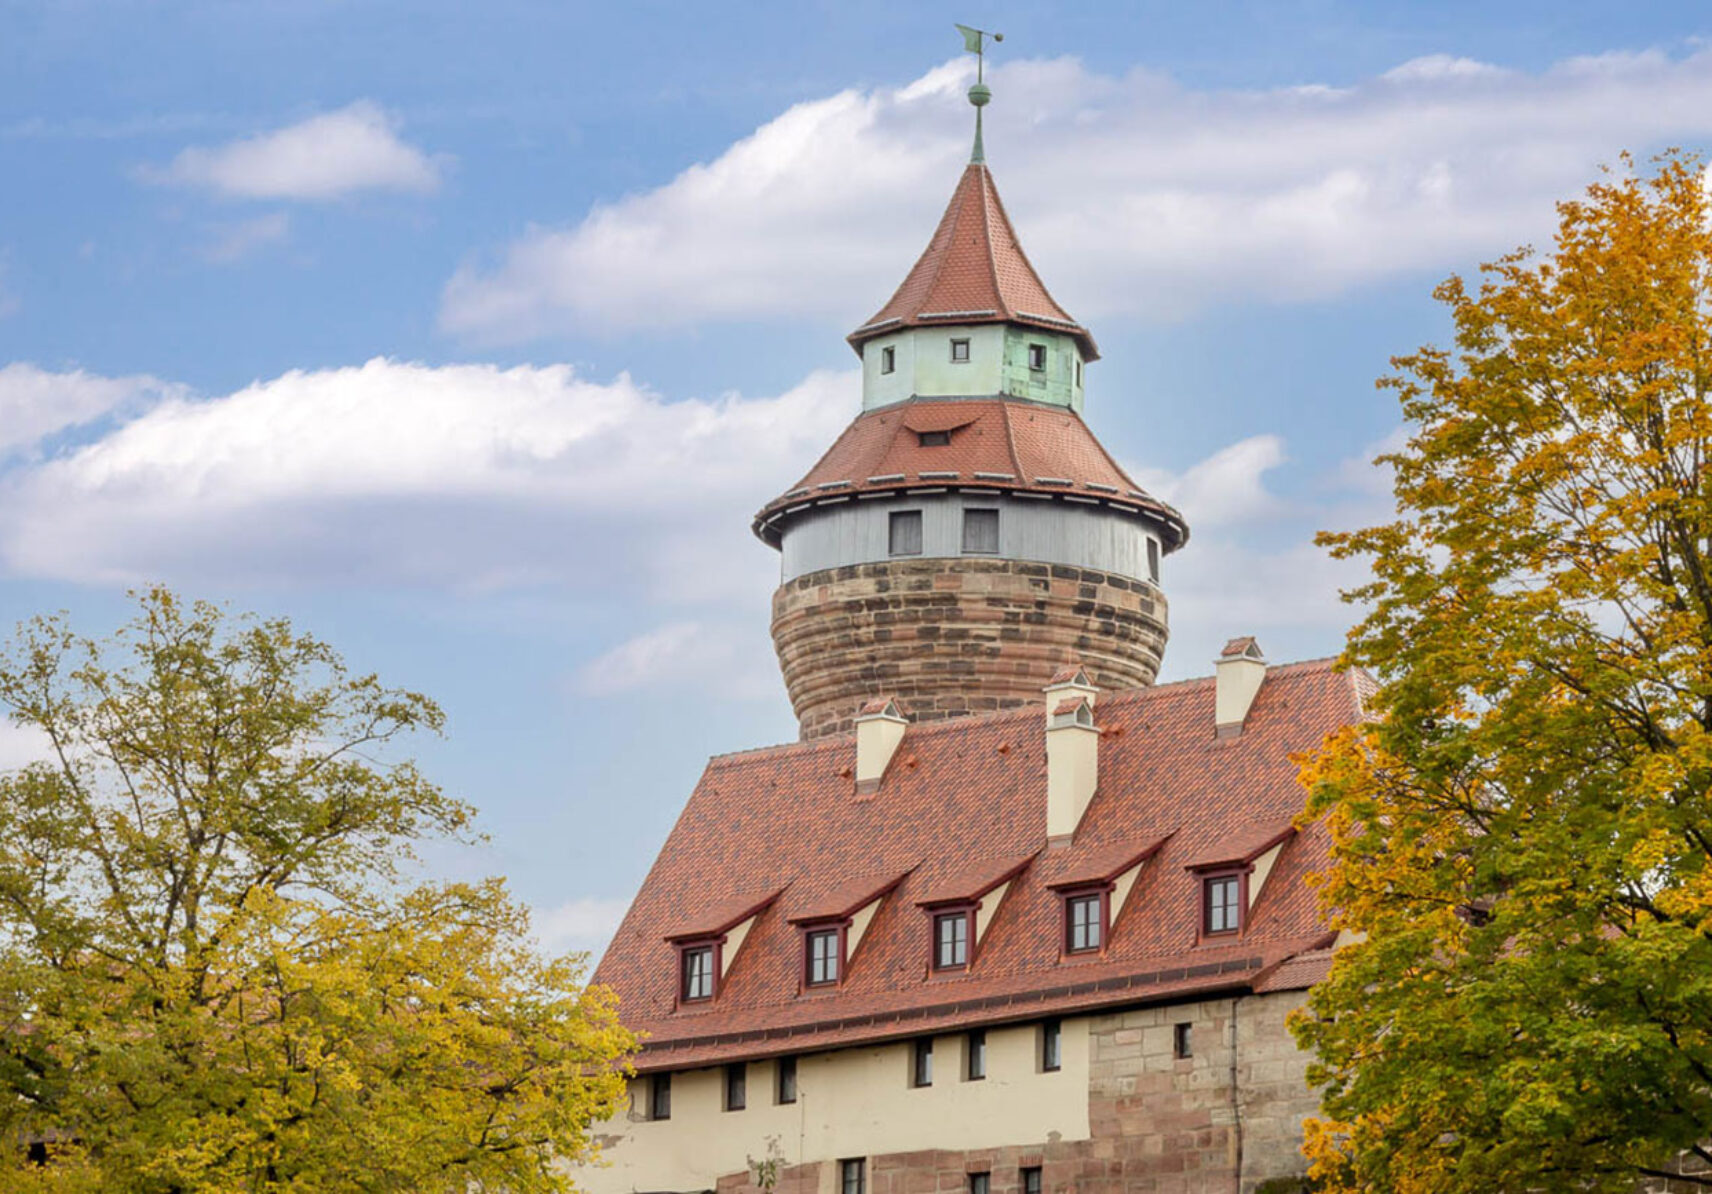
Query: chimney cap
x=883, y=707
x=1073, y=673
x=1243, y=647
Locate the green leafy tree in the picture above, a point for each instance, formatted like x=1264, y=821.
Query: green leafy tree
x=1523, y=835
x=215, y=972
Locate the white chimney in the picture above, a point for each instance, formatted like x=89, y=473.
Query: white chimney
x=1241, y=668
x=879, y=728
x=1072, y=751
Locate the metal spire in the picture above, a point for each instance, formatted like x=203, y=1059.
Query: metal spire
x=980, y=94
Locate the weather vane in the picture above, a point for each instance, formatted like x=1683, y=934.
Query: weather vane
x=974, y=40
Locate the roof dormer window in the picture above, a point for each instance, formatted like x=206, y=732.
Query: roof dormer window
x=888, y=359
x=696, y=970
x=934, y=439
x=1085, y=918
x=823, y=956
x=960, y=352
x=951, y=940
x=1221, y=904
x=1037, y=358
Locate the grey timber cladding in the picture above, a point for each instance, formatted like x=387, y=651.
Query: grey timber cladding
x=1048, y=532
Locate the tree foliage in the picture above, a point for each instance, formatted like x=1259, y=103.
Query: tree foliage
x=215, y=974
x=1523, y=836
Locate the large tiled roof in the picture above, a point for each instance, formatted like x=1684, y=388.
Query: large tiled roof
x=970, y=795
x=995, y=444
x=973, y=271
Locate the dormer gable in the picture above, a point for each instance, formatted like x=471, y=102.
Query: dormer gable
x=707, y=944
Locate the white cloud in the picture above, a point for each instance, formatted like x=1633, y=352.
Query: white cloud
x=1136, y=196
x=729, y=658
x=583, y=924
x=1227, y=487
x=234, y=242
x=21, y=745
x=461, y=475
x=328, y=156
x=36, y=403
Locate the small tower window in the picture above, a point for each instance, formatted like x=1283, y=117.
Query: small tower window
x=1153, y=560
x=904, y=533
x=1037, y=357
x=960, y=351
x=1078, y=371
x=888, y=359
x=981, y=532
x=934, y=439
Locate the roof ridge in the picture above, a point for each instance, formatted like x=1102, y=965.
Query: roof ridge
x=988, y=193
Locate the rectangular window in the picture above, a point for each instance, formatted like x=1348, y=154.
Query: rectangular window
x=934, y=439
x=980, y=1183
x=981, y=531
x=1084, y=918
x=660, y=1096
x=921, y=1063
x=960, y=350
x=1051, y=1046
x=1182, y=1043
x=853, y=1177
x=904, y=533
x=823, y=957
x=1078, y=371
x=736, y=1086
x=1031, y=1180
x=1224, y=913
x=950, y=940
x=977, y=1068
x=888, y=360
x=698, y=973
x=787, y=1079
x=1037, y=357
x=1153, y=560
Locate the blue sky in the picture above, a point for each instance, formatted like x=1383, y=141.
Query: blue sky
x=469, y=336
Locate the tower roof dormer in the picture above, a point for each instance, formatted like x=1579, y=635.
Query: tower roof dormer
x=973, y=271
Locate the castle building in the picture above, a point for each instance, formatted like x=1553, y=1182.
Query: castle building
x=1009, y=916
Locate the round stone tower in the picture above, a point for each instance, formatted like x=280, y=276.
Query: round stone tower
x=966, y=536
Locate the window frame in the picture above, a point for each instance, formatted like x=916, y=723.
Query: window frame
x=964, y=542
x=736, y=1084
x=660, y=1096
x=1222, y=875
x=786, y=1066
x=1051, y=1046
x=975, y=1055
x=963, y=343
x=945, y=913
x=933, y=439
x=840, y=932
x=1036, y=351
x=714, y=948
x=853, y=1165
x=889, y=359
x=1153, y=559
x=1183, y=1040
x=1029, y=1180
x=981, y=1182
x=897, y=518
x=921, y=1062
x=1102, y=924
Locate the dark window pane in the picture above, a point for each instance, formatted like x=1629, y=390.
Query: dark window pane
x=979, y=1183
x=853, y=1177
x=921, y=1072
x=823, y=956
x=1051, y=1045
x=977, y=1054
x=698, y=973
x=1153, y=560
x=1085, y=913
x=1037, y=356
x=736, y=1086
x=1223, y=913
x=951, y=940
x=981, y=531
x=934, y=439
x=905, y=533
x=1182, y=1044
x=787, y=1079
x=888, y=359
x=1031, y=1181
x=660, y=1097
x=960, y=350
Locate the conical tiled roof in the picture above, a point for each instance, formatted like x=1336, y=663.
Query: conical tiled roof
x=973, y=271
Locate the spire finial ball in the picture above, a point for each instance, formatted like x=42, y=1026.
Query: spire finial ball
x=980, y=95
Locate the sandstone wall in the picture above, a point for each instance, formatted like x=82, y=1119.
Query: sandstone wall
x=950, y=637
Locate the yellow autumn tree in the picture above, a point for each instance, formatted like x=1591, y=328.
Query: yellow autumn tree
x=215, y=973
x=1523, y=835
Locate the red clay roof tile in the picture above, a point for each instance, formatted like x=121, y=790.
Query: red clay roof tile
x=784, y=815
x=848, y=897
x=722, y=916
x=973, y=271
x=1085, y=867
x=1239, y=845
